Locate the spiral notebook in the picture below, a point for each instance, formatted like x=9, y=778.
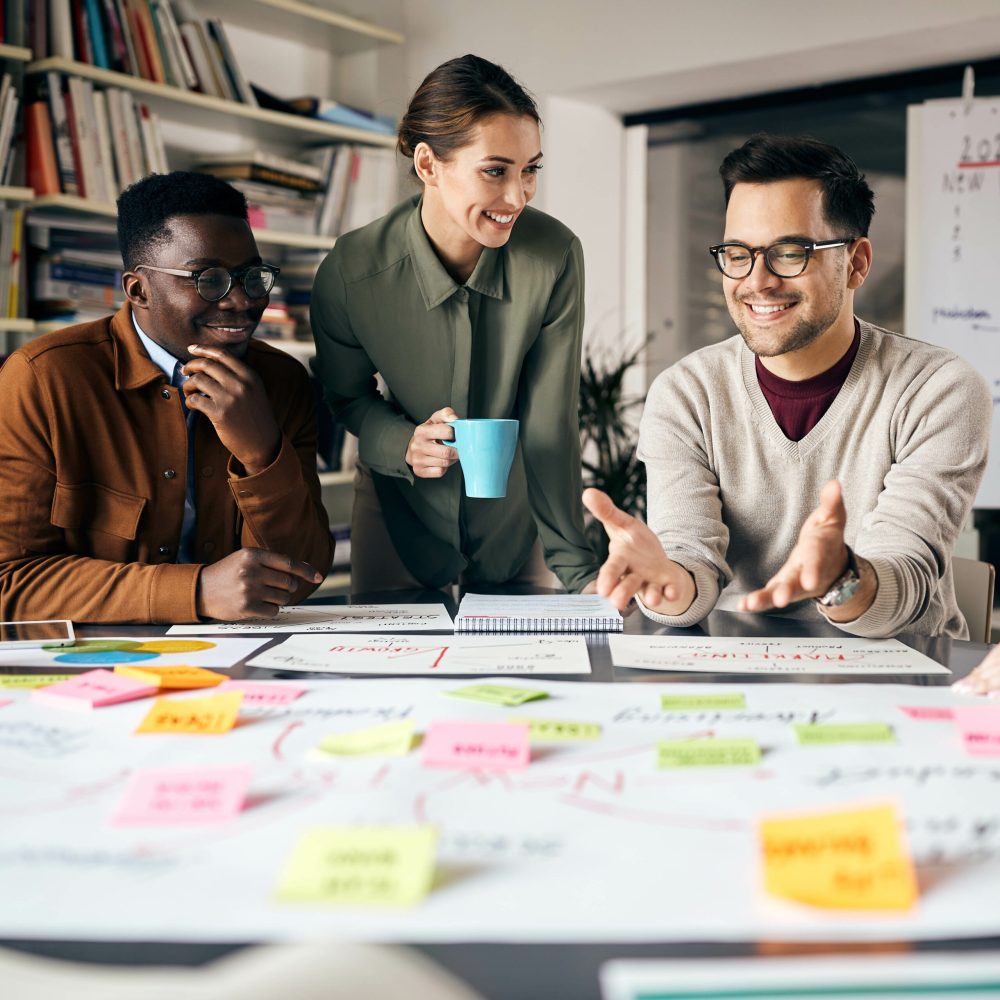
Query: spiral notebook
x=537, y=613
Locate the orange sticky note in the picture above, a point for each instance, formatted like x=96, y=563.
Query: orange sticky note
x=215, y=714
x=173, y=678
x=853, y=859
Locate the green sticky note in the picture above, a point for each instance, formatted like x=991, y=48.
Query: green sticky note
x=845, y=732
x=707, y=753
x=32, y=680
x=734, y=699
x=393, y=739
x=560, y=730
x=498, y=694
x=360, y=866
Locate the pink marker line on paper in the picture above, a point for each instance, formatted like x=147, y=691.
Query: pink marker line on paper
x=182, y=796
x=264, y=692
x=94, y=689
x=927, y=713
x=478, y=746
x=980, y=728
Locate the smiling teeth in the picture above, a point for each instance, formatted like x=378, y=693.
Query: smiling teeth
x=766, y=310
x=499, y=218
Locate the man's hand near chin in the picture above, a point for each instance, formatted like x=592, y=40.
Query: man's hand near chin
x=230, y=394
x=818, y=560
x=636, y=562
x=250, y=583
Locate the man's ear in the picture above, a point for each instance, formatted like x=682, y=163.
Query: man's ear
x=426, y=165
x=860, y=262
x=136, y=289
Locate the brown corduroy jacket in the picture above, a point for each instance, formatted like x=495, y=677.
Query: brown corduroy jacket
x=93, y=475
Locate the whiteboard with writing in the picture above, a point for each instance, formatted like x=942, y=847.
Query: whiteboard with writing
x=953, y=242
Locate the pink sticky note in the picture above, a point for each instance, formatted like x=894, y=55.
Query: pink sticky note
x=980, y=728
x=264, y=692
x=93, y=689
x=6, y=701
x=184, y=795
x=927, y=713
x=487, y=746
x=256, y=217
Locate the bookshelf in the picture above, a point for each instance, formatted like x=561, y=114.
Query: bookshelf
x=206, y=111
x=15, y=53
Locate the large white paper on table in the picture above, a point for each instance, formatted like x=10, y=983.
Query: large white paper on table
x=843, y=977
x=429, y=655
x=708, y=654
x=335, y=618
x=151, y=650
x=592, y=842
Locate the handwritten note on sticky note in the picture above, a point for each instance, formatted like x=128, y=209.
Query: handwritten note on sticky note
x=273, y=693
x=559, y=730
x=32, y=680
x=360, y=866
x=498, y=694
x=174, y=678
x=853, y=859
x=94, y=689
x=215, y=714
x=184, y=796
x=488, y=746
x=927, y=713
x=707, y=753
x=393, y=739
x=690, y=702
x=844, y=732
x=980, y=728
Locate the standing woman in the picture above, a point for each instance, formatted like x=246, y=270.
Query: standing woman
x=468, y=304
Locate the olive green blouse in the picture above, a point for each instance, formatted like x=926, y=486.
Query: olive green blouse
x=505, y=344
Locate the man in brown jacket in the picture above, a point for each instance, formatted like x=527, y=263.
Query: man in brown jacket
x=159, y=466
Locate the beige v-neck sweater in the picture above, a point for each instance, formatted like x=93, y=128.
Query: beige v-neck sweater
x=907, y=437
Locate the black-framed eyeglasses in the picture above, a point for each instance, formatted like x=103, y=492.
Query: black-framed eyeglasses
x=214, y=283
x=787, y=259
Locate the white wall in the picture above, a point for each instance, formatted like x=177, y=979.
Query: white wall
x=588, y=61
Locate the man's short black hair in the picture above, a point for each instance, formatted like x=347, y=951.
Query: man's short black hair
x=145, y=207
x=849, y=201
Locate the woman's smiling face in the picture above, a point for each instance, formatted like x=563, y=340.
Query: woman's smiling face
x=476, y=195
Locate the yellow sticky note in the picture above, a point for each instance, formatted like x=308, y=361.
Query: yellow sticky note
x=853, y=859
x=215, y=714
x=175, y=678
x=360, y=866
x=393, y=739
x=560, y=730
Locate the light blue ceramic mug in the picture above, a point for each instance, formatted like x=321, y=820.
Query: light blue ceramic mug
x=486, y=451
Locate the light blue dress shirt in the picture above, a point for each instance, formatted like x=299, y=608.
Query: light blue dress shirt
x=170, y=366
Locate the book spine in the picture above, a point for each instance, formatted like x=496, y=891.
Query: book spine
x=188, y=79
x=153, y=57
x=142, y=63
x=238, y=82
x=43, y=170
x=130, y=64
x=171, y=73
x=199, y=59
x=60, y=29
x=15, y=287
x=95, y=29
x=73, y=118
x=104, y=144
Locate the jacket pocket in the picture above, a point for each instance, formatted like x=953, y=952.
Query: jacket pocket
x=99, y=522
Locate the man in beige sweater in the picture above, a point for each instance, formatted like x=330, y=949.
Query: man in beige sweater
x=815, y=463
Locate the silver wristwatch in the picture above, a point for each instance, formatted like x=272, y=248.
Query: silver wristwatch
x=845, y=586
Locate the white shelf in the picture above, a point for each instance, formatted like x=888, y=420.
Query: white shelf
x=310, y=23
x=345, y=478
x=16, y=53
x=296, y=241
x=8, y=193
x=203, y=110
x=17, y=326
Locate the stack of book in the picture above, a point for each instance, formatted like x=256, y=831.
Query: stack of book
x=9, y=101
x=89, y=142
x=283, y=194
x=12, y=291
x=159, y=40
x=361, y=184
x=76, y=268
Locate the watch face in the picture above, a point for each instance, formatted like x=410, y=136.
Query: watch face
x=842, y=591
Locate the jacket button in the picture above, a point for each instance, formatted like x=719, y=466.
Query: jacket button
x=164, y=550
x=169, y=473
x=165, y=393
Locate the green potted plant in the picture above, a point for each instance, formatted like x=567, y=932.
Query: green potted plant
x=607, y=437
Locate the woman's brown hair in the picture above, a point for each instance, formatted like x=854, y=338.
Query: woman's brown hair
x=454, y=98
